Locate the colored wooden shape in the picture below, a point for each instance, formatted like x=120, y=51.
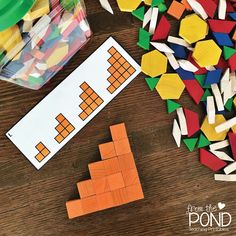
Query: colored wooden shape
x=97, y=170
x=232, y=141
x=213, y=77
x=152, y=82
x=170, y=86
x=112, y=166
x=192, y=120
x=105, y=200
x=144, y=39
x=100, y=185
x=228, y=52
x=134, y=192
x=139, y=13
x=211, y=161
x=154, y=63
x=119, y=196
x=74, y=208
x=223, y=39
x=176, y=9
x=89, y=204
x=194, y=89
x=209, y=129
x=130, y=177
x=221, y=26
x=172, y=106
x=232, y=62
x=107, y=150
x=118, y=132
x=206, y=53
x=162, y=30
x=126, y=161
x=190, y=143
x=115, y=181
x=85, y=188
x=203, y=141
x=128, y=6
x=193, y=28
x=209, y=6
x=122, y=146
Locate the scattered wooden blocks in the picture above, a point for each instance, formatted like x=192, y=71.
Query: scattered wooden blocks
x=114, y=180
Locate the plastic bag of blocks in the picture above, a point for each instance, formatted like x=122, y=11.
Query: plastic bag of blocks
x=38, y=38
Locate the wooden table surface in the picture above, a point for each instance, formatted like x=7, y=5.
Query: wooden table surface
x=33, y=202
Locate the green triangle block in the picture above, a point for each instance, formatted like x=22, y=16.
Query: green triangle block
x=229, y=104
x=144, y=39
x=172, y=106
x=205, y=95
x=203, y=141
x=139, y=13
x=228, y=52
x=162, y=7
x=190, y=143
x=157, y=2
x=201, y=80
x=152, y=82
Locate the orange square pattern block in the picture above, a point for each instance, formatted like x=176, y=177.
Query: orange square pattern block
x=91, y=101
x=114, y=180
x=120, y=70
x=176, y=9
x=42, y=151
x=64, y=128
x=107, y=150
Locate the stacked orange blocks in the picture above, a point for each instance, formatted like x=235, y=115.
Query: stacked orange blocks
x=114, y=180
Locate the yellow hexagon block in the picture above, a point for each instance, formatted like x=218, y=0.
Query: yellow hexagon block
x=170, y=86
x=193, y=28
x=128, y=5
x=148, y=2
x=206, y=53
x=154, y=63
x=209, y=129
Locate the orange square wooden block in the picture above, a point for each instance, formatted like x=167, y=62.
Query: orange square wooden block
x=118, y=132
x=85, y=188
x=126, y=161
x=115, y=181
x=107, y=150
x=130, y=177
x=112, y=166
x=89, y=204
x=176, y=9
x=122, y=147
x=101, y=185
x=74, y=208
x=97, y=170
x=134, y=192
x=105, y=200
x=119, y=196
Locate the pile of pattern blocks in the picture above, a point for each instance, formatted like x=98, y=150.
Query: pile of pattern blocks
x=203, y=59
x=114, y=180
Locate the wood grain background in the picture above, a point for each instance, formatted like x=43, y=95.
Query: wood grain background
x=33, y=202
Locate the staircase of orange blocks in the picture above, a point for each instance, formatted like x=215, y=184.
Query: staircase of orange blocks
x=114, y=180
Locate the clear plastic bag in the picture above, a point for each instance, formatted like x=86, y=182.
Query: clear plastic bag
x=37, y=47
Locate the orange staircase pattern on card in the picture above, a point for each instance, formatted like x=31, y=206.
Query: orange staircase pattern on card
x=91, y=101
x=114, y=180
x=120, y=70
x=64, y=128
x=42, y=151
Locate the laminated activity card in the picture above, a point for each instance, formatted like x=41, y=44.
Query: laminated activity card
x=73, y=103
